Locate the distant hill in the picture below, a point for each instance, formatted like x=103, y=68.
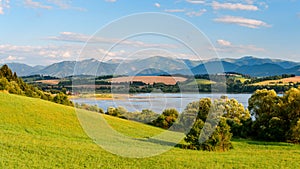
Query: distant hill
x=250, y=61
x=85, y=67
x=163, y=64
x=159, y=65
x=267, y=69
x=150, y=72
x=23, y=69
x=214, y=67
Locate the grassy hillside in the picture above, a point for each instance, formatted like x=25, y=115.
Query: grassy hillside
x=201, y=82
x=40, y=134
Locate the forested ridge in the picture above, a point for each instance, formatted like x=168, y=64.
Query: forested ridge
x=11, y=83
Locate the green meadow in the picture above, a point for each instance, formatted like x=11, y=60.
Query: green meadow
x=39, y=134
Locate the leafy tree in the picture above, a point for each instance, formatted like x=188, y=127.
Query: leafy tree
x=93, y=108
x=118, y=112
x=276, y=118
x=220, y=138
x=292, y=113
x=6, y=72
x=110, y=111
x=210, y=130
x=146, y=116
x=294, y=134
x=3, y=83
x=62, y=99
x=266, y=107
x=236, y=116
x=166, y=119
x=9, y=81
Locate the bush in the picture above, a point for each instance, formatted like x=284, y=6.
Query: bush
x=166, y=119
x=210, y=130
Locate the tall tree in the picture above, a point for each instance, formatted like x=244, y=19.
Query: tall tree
x=210, y=130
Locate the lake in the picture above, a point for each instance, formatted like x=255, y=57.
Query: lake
x=158, y=101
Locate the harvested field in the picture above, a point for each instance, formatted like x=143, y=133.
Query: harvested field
x=284, y=81
x=50, y=82
x=168, y=80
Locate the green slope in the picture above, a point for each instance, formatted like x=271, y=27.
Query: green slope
x=40, y=134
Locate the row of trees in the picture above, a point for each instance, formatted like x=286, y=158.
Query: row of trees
x=276, y=118
x=10, y=82
x=212, y=123
x=219, y=119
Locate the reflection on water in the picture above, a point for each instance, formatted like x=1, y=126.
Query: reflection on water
x=159, y=101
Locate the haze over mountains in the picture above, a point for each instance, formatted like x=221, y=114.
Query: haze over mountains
x=161, y=65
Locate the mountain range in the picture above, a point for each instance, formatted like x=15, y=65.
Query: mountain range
x=162, y=65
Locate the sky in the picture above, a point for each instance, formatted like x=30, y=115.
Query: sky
x=42, y=32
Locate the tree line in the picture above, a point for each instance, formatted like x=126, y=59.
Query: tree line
x=229, y=81
x=11, y=83
x=211, y=124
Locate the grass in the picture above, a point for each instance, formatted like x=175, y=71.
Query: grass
x=240, y=78
x=97, y=96
x=40, y=134
x=201, y=82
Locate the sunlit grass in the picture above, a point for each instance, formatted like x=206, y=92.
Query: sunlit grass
x=40, y=134
x=201, y=82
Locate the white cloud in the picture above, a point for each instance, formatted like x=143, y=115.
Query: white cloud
x=157, y=5
x=233, y=6
x=196, y=1
x=11, y=58
x=64, y=4
x=39, y=54
x=196, y=13
x=225, y=46
x=110, y=0
x=60, y=4
x=250, y=23
x=82, y=38
x=222, y=42
x=264, y=5
x=4, y=4
x=111, y=54
x=174, y=10
x=70, y=36
x=35, y=4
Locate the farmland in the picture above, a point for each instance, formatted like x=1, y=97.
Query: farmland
x=168, y=80
x=284, y=81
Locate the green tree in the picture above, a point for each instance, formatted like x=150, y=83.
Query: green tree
x=210, y=130
x=292, y=114
x=6, y=72
x=9, y=81
x=236, y=116
x=294, y=134
x=166, y=119
x=266, y=107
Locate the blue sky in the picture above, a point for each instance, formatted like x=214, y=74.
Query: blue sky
x=47, y=31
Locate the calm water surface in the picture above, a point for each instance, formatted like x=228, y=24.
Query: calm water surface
x=159, y=101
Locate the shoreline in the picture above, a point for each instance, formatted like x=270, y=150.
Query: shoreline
x=133, y=96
